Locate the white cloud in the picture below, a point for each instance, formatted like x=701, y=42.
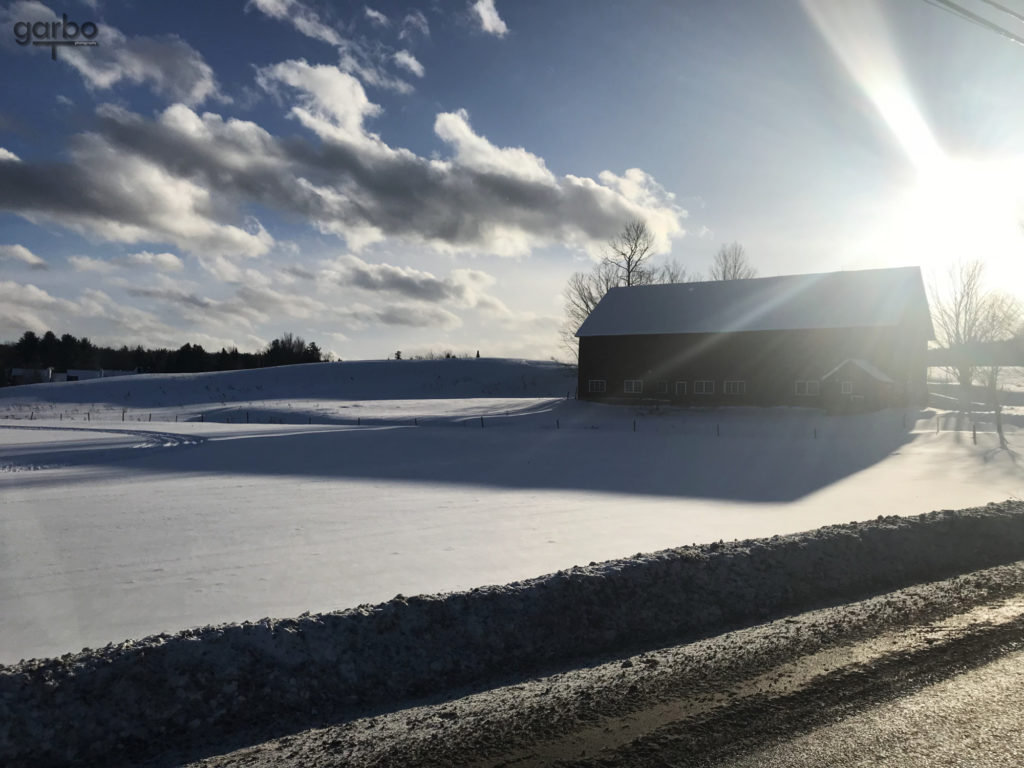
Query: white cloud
x=414, y=23
x=407, y=61
x=21, y=253
x=8, y=156
x=303, y=18
x=185, y=180
x=476, y=152
x=490, y=21
x=89, y=264
x=165, y=261
x=167, y=64
x=376, y=17
x=367, y=61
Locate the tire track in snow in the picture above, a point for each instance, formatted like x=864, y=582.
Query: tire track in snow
x=87, y=453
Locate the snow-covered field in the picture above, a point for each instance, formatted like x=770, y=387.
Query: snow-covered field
x=373, y=479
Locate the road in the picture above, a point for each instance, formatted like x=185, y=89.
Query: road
x=926, y=676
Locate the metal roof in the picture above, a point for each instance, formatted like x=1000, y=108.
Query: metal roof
x=858, y=299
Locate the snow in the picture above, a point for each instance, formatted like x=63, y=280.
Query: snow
x=112, y=529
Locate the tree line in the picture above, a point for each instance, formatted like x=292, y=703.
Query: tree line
x=68, y=351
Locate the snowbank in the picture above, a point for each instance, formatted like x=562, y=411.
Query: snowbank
x=138, y=699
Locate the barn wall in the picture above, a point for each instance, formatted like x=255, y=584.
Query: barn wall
x=769, y=362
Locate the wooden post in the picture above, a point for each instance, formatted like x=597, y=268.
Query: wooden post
x=557, y=424
x=122, y=414
x=202, y=417
x=415, y=422
x=974, y=433
x=359, y=420
x=246, y=417
x=481, y=422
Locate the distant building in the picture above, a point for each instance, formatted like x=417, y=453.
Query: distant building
x=843, y=340
x=50, y=375
x=31, y=375
x=81, y=374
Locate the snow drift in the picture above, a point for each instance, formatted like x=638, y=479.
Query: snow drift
x=135, y=700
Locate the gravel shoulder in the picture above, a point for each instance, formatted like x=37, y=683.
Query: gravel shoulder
x=723, y=700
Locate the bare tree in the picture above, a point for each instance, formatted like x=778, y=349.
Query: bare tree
x=582, y=293
x=731, y=264
x=966, y=315
x=674, y=272
x=627, y=264
x=629, y=251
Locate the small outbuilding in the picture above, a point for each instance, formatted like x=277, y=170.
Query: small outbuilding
x=783, y=340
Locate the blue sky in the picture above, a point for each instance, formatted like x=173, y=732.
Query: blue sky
x=382, y=176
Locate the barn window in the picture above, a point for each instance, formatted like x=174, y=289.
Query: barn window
x=734, y=387
x=597, y=385
x=633, y=386
x=808, y=388
x=662, y=387
x=680, y=387
x=847, y=387
x=703, y=387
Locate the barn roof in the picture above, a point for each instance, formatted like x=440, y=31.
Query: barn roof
x=859, y=299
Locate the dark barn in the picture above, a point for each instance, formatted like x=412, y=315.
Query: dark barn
x=845, y=340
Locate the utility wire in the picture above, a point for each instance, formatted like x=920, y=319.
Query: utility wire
x=963, y=13
x=1004, y=9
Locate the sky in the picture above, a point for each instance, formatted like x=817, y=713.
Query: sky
x=389, y=176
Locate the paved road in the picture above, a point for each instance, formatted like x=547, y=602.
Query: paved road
x=927, y=676
x=973, y=719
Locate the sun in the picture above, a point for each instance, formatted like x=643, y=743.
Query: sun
x=965, y=210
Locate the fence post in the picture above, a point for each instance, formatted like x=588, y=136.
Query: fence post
x=122, y=414
x=974, y=433
x=202, y=417
x=557, y=424
x=481, y=422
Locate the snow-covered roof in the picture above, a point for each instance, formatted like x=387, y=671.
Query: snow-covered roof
x=858, y=299
x=865, y=366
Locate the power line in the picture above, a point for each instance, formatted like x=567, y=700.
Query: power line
x=963, y=13
x=1004, y=9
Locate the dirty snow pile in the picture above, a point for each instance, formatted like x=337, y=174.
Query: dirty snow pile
x=132, y=701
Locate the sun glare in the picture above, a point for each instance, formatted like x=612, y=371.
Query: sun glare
x=960, y=210
x=956, y=209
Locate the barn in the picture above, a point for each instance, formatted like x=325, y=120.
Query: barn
x=844, y=340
